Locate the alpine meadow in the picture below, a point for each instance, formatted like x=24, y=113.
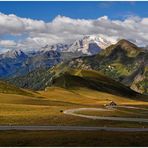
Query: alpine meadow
x=73, y=73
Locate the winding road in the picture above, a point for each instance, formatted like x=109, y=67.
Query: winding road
x=74, y=113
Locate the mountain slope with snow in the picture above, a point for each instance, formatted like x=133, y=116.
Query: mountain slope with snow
x=20, y=62
x=14, y=54
x=88, y=45
x=124, y=62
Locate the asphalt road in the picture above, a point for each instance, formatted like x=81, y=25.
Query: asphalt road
x=70, y=128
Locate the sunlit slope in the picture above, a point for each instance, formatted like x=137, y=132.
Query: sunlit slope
x=44, y=108
x=75, y=78
x=124, y=62
x=86, y=96
x=8, y=88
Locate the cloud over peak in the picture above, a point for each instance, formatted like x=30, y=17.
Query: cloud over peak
x=64, y=29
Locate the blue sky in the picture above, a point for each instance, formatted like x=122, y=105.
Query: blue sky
x=32, y=25
x=87, y=10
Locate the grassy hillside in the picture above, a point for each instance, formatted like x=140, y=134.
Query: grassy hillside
x=76, y=78
x=45, y=107
x=34, y=80
x=123, y=62
x=130, y=49
x=8, y=88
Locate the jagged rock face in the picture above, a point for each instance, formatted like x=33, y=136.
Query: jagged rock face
x=140, y=81
x=139, y=78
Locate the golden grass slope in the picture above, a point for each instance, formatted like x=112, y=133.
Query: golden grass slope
x=44, y=108
x=8, y=88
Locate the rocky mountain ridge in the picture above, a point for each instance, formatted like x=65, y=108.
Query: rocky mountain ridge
x=123, y=62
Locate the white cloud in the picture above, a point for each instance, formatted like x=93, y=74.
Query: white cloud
x=65, y=30
x=11, y=24
x=7, y=43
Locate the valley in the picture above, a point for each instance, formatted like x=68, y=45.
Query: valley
x=46, y=108
x=85, y=93
x=73, y=74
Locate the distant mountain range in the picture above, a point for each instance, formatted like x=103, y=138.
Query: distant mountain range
x=88, y=45
x=19, y=62
x=122, y=62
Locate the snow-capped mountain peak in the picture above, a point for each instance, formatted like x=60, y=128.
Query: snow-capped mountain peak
x=14, y=54
x=89, y=45
x=100, y=41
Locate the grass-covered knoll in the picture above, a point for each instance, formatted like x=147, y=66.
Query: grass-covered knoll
x=130, y=49
x=8, y=88
x=87, y=97
x=76, y=78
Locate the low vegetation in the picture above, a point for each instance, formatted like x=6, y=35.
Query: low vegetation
x=72, y=138
x=7, y=88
